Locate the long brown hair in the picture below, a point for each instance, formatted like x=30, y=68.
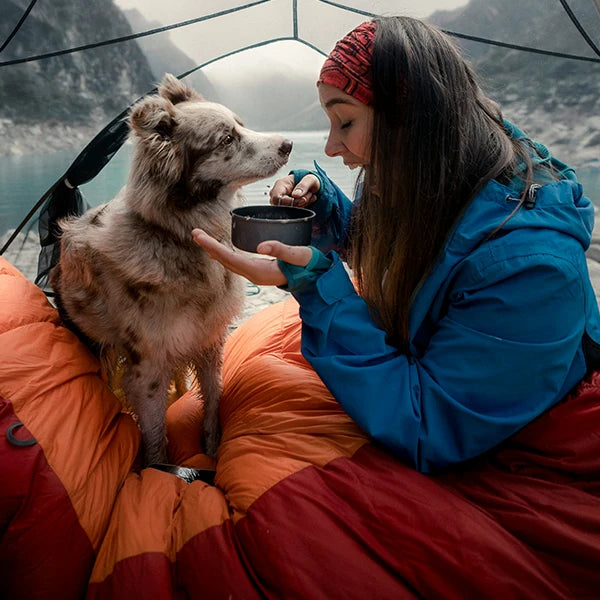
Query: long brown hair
x=436, y=140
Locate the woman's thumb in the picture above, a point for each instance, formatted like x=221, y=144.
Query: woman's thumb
x=295, y=255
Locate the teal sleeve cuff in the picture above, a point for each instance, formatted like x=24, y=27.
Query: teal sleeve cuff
x=299, y=278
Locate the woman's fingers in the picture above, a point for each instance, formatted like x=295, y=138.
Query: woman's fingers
x=282, y=188
x=214, y=248
x=308, y=186
x=285, y=193
x=255, y=269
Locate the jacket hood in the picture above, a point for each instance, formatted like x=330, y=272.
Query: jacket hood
x=560, y=206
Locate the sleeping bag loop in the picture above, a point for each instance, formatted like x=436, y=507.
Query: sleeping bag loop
x=188, y=474
x=16, y=442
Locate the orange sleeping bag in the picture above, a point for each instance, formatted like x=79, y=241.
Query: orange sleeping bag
x=57, y=493
x=303, y=506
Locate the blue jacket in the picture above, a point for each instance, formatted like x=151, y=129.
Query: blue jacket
x=495, y=330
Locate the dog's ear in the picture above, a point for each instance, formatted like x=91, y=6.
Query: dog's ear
x=152, y=120
x=152, y=116
x=176, y=91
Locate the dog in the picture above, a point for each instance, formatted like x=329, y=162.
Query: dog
x=131, y=281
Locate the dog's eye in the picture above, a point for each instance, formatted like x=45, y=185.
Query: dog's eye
x=228, y=139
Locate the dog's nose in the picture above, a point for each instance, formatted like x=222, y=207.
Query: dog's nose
x=286, y=147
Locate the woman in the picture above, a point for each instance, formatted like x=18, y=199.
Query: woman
x=474, y=312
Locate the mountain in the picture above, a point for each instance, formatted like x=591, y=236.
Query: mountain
x=74, y=89
x=60, y=103
x=165, y=57
x=555, y=100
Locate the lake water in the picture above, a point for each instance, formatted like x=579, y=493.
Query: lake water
x=24, y=179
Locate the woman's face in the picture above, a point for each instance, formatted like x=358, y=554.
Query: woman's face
x=350, y=126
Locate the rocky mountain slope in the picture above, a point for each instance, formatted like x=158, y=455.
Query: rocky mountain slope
x=556, y=100
x=73, y=88
x=45, y=101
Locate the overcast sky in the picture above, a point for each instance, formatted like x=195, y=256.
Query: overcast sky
x=318, y=24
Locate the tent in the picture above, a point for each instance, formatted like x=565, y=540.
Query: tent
x=301, y=503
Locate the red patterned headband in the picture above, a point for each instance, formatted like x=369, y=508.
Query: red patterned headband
x=348, y=66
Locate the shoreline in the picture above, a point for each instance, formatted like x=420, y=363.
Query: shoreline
x=43, y=138
x=576, y=144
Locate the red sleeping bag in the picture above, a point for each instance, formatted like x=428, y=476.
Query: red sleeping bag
x=304, y=505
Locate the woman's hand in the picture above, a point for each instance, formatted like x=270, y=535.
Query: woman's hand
x=305, y=193
x=257, y=270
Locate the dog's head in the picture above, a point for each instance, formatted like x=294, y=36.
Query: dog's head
x=198, y=147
